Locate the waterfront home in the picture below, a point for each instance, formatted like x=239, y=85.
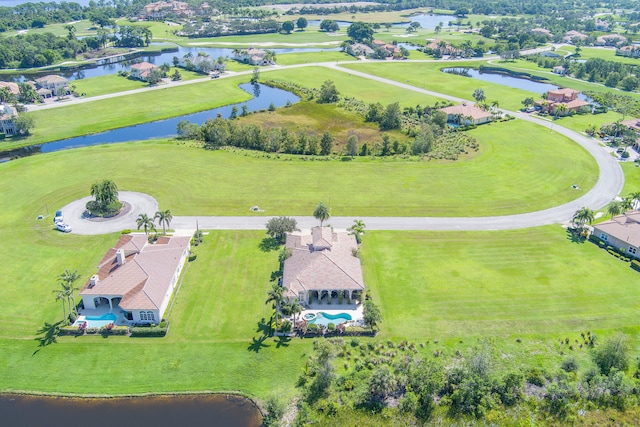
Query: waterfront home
x=52, y=85
x=8, y=116
x=136, y=279
x=141, y=70
x=466, y=115
x=252, y=56
x=323, y=266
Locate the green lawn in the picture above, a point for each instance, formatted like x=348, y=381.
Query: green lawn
x=311, y=57
x=508, y=175
x=606, y=54
x=114, y=83
x=170, y=101
x=465, y=284
x=631, y=177
x=428, y=76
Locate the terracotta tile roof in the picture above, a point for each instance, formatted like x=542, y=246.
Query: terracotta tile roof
x=576, y=103
x=311, y=268
x=467, y=111
x=564, y=92
x=623, y=227
x=145, y=277
x=632, y=124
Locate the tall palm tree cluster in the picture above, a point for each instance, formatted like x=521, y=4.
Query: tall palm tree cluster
x=281, y=304
x=147, y=223
x=66, y=293
x=628, y=203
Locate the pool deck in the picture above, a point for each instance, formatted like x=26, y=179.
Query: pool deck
x=101, y=311
x=354, y=310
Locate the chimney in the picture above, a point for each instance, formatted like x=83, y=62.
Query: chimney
x=120, y=256
x=93, y=280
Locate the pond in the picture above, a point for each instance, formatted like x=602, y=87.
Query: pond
x=157, y=411
x=263, y=96
x=157, y=59
x=507, y=80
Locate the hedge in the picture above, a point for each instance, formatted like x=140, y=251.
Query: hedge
x=635, y=264
x=141, y=331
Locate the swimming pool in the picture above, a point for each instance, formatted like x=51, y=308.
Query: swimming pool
x=97, y=321
x=326, y=318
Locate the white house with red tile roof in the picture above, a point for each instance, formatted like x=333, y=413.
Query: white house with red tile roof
x=141, y=70
x=137, y=277
x=321, y=266
x=470, y=114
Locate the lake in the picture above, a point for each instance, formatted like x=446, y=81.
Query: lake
x=263, y=96
x=157, y=59
x=157, y=411
x=506, y=80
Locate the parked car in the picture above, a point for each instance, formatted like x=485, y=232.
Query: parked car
x=64, y=227
x=58, y=217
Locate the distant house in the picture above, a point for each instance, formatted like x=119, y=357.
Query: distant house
x=621, y=232
x=602, y=25
x=13, y=87
x=562, y=95
x=253, y=56
x=572, y=35
x=141, y=70
x=629, y=51
x=464, y=114
x=634, y=125
x=322, y=265
x=160, y=9
x=559, y=70
x=542, y=32
x=202, y=63
x=611, y=40
x=136, y=279
x=52, y=85
x=8, y=116
x=443, y=48
x=360, y=49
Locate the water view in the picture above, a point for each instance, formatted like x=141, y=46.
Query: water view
x=507, y=80
x=157, y=59
x=157, y=411
x=263, y=96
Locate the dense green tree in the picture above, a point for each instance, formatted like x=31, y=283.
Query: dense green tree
x=613, y=354
x=288, y=26
x=360, y=32
x=629, y=83
x=392, y=117
x=352, y=145
x=329, y=25
x=371, y=314
x=302, y=23
x=328, y=92
x=326, y=143
x=278, y=227
x=24, y=123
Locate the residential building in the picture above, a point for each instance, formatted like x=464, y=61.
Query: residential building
x=572, y=35
x=611, y=40
x=136, y=279
x=160, y=9
x=253, y=56
x=465, y=114
x=602, y=25
x=202, y=63
x=566, y=96
x=52, y=85
x=444, y=48
x=630, y=51
x=622, y=232
x=141, y=70
x=542, y=32
x=13, y=87
x=559, y=70
x=8, y=116
x=562, y=95
x=360, y=49
x=323, y=264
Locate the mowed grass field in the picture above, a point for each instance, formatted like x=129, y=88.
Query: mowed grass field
x=508, y=175
x=519, y=282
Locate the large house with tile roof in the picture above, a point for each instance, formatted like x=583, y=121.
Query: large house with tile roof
x=137, y=277
x=8, y=116
x=141, y=70
x=322, y=266
x=466, y=114
x=622, y=232
x=52, y=85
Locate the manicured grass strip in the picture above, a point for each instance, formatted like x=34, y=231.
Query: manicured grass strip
x=631, y=177
x=532, y=281
x=511, y=174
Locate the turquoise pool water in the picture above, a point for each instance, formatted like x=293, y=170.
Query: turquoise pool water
x=326, y=318
x=98, y=321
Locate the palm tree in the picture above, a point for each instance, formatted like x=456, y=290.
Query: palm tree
x=626, y=204
x=561, y=110
x=357, y=229
x=583, y=216
x=109, y=191
x=322, y=213
x=479, y=95
x=495, y=105
x=67, y=279
x=614, y=208
x=295, y=308
x=635, y=198
x=164, y=218
x=276, y=297
x=145, y=222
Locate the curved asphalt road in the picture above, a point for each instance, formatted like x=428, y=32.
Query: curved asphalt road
x=608, y=186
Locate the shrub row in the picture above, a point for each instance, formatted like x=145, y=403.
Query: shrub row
x=141, y=331
x=635, y=264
